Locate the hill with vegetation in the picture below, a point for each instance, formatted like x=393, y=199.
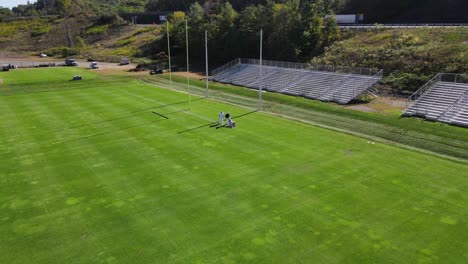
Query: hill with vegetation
x=410, y=57
x=106, y=38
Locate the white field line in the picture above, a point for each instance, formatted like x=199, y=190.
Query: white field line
x=160, y=103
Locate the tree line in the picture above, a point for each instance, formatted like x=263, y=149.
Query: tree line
x=375, y=11
x=294, y=30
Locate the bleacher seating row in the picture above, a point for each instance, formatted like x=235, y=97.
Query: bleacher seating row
x=319, y=85
x=445, y=102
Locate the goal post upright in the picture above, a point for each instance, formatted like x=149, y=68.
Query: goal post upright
x=188, y=69
x=169, y=54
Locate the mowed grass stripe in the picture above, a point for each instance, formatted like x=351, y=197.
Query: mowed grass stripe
x=30, y=215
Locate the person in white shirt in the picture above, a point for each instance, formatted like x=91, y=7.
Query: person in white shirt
x=220, y=118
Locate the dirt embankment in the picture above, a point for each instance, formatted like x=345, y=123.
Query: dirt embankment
x=383, y=104
x=193, y=75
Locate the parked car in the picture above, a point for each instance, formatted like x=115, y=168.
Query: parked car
x=93, y=65
x=156, y=70
x=43, y=55
x=124, y=61
x=5, y=67
x=71, y=62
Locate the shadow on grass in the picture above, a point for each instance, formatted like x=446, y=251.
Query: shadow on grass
x=161, y=115
x=216, y=124
x=246, y=114
x=166, y=105
x=122, y=117
x=202, y=126
x=165, y=114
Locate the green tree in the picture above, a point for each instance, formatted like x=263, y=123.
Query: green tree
x=282, y=38
x=64, y=7
x=330, y=31
x=226, y=34
x=5, y=12
x=170, y=5
x=197, y=23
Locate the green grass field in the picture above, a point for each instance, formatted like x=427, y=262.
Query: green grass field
x=112, y=170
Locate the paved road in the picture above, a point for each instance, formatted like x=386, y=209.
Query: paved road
x=82, y=64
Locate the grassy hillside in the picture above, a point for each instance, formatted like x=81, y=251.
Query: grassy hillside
x=409, y=57
x=106, y=39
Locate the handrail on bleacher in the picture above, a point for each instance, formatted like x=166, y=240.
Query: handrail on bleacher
x=426, y=87
x=440, y=77
x=299, y=66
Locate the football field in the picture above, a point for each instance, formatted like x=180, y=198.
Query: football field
x=113, y=170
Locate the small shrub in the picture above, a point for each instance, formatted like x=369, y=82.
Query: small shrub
x=97, y=30
x=9, y=29
x=41, y=30
x=453, y=37
x=124, y=42
x=143, y=30
x=66, y=52
x=111, y=19
x=54, y=52
x=80, y=42
x=405, y=81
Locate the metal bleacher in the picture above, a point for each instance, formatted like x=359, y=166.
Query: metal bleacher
x=443, y=99
x=324, y=83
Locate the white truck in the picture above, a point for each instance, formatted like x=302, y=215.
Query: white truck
x=71, y=62
x=348, y=18
x=93, y=65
